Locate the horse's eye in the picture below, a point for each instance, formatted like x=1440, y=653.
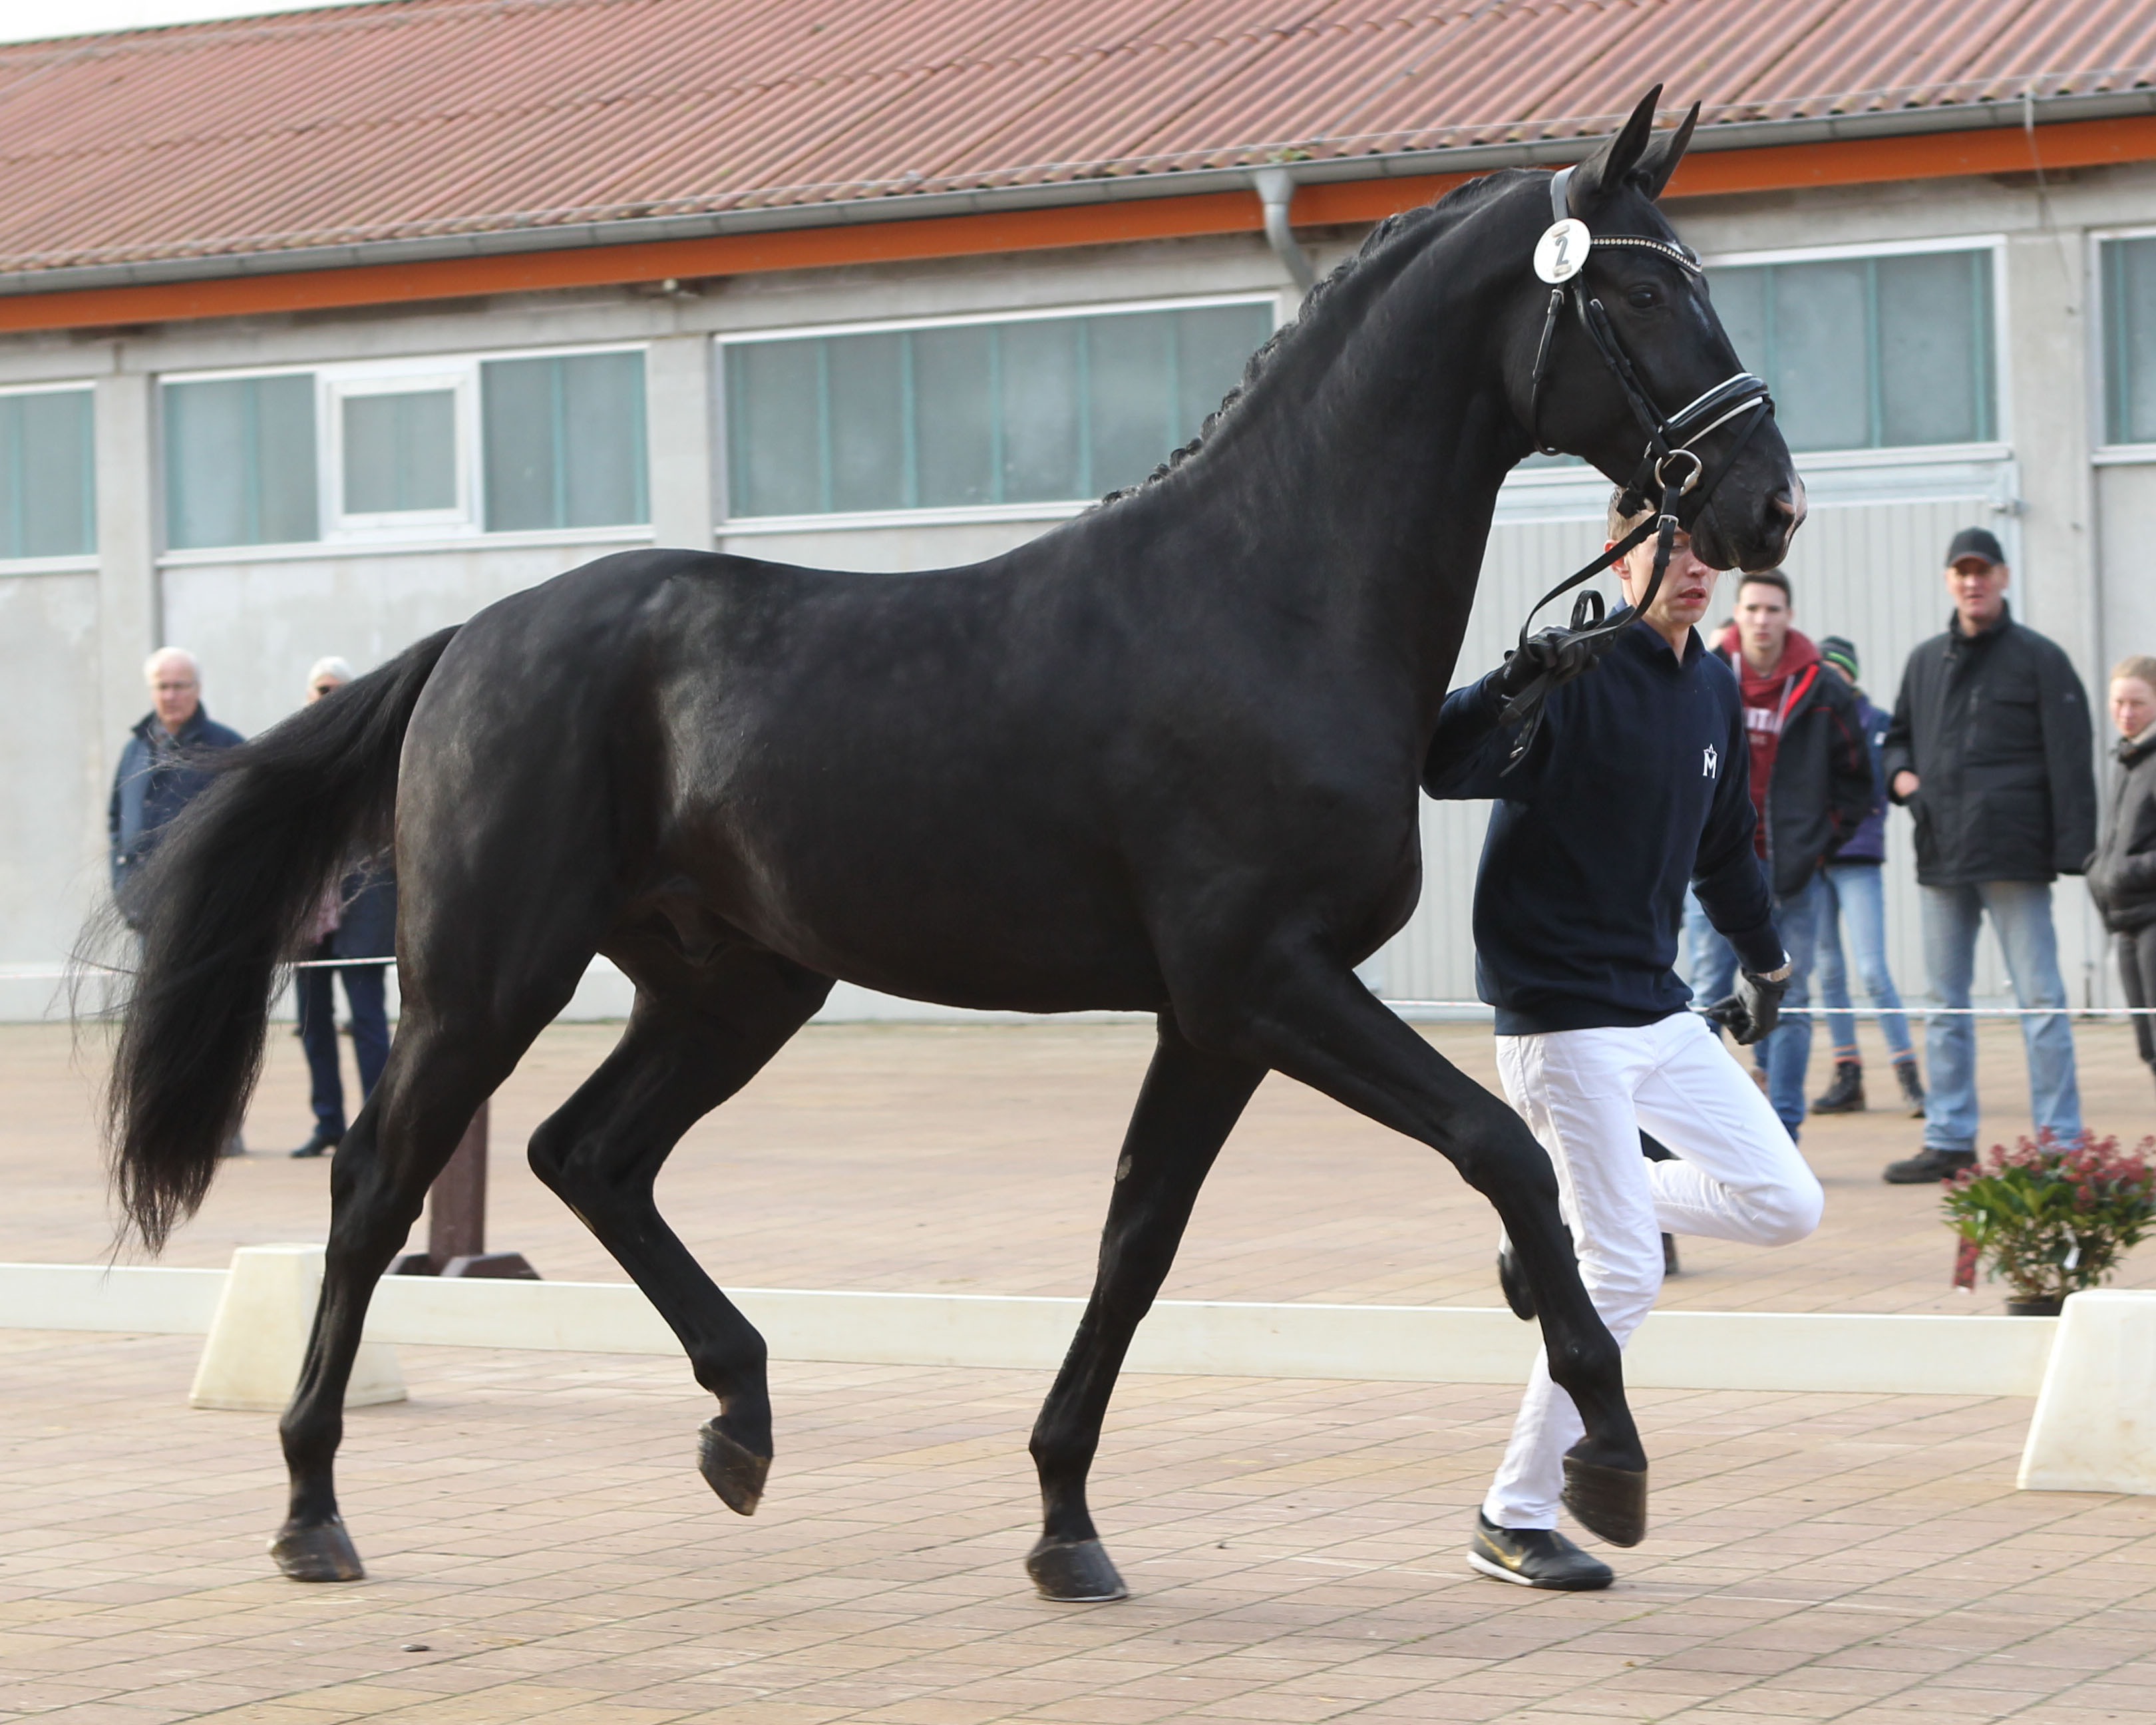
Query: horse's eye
x=1642, y=297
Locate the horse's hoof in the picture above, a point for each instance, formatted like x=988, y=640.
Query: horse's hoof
x=322, y=1552
x=1076, y=1571
x=735, y=1474
x=1610, y=1502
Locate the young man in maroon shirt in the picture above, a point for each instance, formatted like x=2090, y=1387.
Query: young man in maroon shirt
x=1811, y=788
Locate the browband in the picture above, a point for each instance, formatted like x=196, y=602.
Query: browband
x=1683, y=256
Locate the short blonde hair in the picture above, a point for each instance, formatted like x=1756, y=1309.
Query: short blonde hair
x=1620, y=523
x=2140, y=666
x=332, y=667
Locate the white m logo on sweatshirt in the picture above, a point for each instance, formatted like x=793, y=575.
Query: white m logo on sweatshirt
x=1710, y=766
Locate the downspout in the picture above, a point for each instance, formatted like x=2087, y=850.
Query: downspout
x=1275, y=189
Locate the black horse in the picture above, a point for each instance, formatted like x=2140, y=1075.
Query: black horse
x=1164, y=757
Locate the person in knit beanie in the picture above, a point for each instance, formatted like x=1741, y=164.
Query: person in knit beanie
x=1854, y=897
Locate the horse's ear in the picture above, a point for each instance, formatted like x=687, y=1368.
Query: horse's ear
x=1665, y=150
x=1603, y=171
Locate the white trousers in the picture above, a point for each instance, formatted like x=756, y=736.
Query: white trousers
x=1585, y=1094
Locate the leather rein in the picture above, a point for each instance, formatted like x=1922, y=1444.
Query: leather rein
x=1670, y=465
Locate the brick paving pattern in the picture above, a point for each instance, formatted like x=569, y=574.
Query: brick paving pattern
x=539, y=1546
x=978, y=1160
x=533, y=1522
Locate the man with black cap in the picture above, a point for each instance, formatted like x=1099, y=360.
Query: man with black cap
x=1992, y=752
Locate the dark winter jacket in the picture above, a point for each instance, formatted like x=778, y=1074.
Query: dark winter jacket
x=1821, y=787
x=153, y=783
x=2121, y=875
x=1868, y=844
x=366, y=917
x=1995, y=725
x=1635, y=785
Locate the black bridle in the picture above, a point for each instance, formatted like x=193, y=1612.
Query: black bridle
x=1670, y=465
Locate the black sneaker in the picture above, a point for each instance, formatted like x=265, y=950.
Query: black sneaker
x=1535, y=1557
x=1912, y=1087
x=1846, y=1095
x=1513, y=1281
x=1929, y=1166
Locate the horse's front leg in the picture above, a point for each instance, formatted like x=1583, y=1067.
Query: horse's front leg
x=1189, y=1103
x=1306, y=1016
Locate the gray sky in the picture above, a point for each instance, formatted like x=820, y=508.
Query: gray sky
x=29, y=20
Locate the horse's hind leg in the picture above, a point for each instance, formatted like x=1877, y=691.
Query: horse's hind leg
x=434, y=1082
x=1189, y=1103
x=692, y=1041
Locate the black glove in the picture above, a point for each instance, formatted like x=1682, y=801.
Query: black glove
x=1554, y=656
x=1750, y=1014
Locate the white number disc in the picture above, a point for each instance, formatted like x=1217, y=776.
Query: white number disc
x=1561, y=253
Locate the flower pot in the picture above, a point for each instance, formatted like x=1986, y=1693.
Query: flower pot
x=2047, y=1306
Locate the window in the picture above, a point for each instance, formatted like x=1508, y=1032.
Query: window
x=239, y=461
x=564, y=439
x=48, y=474
x=1023, y=410
x=1868, y=353
x=394, y=449
x=2129, y=329
x=399, y=449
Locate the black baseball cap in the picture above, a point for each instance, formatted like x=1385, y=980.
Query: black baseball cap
x=1975, y=542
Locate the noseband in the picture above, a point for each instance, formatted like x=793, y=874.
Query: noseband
x=1670, y=465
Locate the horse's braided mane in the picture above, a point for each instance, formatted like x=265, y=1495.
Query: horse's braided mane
x=1419, y=225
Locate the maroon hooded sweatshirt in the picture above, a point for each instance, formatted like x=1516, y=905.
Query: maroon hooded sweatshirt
x=1767, y=700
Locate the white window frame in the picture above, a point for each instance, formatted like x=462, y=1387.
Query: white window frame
x=74, y=563
x=1997, y=449
x=946, y=515
x=401, y=530
x=335, y=385
x=2103, y=452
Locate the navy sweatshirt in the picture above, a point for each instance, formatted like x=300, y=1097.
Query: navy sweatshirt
x=1636, y=784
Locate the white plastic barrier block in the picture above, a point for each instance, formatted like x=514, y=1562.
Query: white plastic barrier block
x=257, y=1340
x=2095, y=1427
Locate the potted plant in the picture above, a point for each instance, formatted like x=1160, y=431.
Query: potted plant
x=2053, y=1216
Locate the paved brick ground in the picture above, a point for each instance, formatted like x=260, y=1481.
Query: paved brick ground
x=978, y=1159
x=540, y=1548
x=534, y=1525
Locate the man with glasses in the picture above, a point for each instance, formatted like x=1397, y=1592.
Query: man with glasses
x=1992, y=752
x=357, y=920
x=155, y=779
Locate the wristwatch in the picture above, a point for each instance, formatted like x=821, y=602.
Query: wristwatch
x=1782, y=975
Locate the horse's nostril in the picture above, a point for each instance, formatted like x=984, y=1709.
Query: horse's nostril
x=1785, y=503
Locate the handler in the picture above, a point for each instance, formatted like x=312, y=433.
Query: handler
x=1635, y=784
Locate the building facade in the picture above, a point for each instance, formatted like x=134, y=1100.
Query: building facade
x=338, y=454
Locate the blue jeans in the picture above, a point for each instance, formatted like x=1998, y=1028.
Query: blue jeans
x=1711, y=963
x=363, y=986
x=2020, y=912
x=1785, y=1054
x=1855, y=895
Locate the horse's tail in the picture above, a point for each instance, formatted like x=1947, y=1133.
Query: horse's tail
x=228, y=894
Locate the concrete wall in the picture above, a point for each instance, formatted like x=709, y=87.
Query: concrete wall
x=72, y=636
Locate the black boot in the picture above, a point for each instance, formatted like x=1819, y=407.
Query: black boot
x=1912, y=1087
x=1929, y=1167
x=1846, y=1095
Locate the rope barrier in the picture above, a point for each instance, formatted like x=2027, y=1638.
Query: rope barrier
x=1482, y=1008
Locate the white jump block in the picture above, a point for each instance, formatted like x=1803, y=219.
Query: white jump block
x=258, y=1341
x=2095, y=1427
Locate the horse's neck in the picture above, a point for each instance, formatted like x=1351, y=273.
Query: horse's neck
x=1363, y=477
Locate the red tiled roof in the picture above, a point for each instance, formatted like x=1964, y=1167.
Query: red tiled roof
x=414, y=118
